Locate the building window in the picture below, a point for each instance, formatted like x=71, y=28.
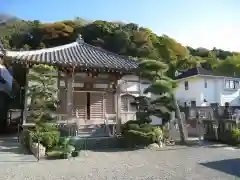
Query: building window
x=236, y=84
x=186, y=85
x=127, y=104
x=205, y=83
x=231, y=84
x=193, y=103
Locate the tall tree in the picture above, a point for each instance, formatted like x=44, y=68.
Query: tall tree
x=163, y=89
x=229, y=67
x=42, y=93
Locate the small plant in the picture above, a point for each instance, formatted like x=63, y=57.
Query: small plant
x=159, y=136
x=137, y=134
x=236, y=135
x=63, y=150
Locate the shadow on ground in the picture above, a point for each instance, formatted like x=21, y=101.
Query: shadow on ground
x=10, y=144
x=177, y=146
x=229, y=166
x=116, y=149
x=10, y=148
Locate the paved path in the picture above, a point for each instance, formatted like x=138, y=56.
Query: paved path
x=177, y=163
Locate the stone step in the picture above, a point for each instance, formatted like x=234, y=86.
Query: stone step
x=93, y=143
x=93, y=132
x=86, y=129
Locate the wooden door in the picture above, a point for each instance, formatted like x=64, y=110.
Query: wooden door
x=62, y=108
x=109, y=103
x=96, y=106
x=80, y=105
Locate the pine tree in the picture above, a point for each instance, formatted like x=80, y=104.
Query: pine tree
x=42, y=93
x=162, y=87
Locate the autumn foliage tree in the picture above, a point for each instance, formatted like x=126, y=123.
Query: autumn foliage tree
x=118, y=37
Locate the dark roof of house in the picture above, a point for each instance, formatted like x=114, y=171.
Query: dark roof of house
x=77, y=54
x=196, y=71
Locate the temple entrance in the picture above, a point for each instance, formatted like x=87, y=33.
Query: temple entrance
x=93, y=105
x=86, y=76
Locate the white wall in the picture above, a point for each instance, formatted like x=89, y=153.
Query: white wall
x=214, y=93
x=193, y=92
x=130, y=84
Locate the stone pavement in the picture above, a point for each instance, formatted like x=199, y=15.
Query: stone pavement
x=194, y=162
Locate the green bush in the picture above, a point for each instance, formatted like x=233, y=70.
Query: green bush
x=130, y=122
x=60, y=152
x=133, y=126
x=55, y=154
x=146, y=128
x=47, y=134
x=142, y=115
x=228, y=137
x=46, y=127
x=47, y=139
x=236, y=136
x=158, y=133
x=135, y=133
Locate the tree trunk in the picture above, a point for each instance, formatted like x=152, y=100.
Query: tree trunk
x=179, y=120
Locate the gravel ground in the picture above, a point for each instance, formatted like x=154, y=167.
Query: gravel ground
x=177, y=163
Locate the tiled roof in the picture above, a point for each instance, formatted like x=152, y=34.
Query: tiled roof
x=196, y=71
x=78, y=54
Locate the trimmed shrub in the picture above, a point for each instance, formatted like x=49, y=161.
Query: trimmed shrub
x=228, y=137
x=142, y=115
x=137, y=133
x=47, y=139
x=47, y=134
x=60, y=152
x=146, y=128
x=236, y=136
x=133, y=127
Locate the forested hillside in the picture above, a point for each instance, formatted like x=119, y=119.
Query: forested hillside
x=125, y=39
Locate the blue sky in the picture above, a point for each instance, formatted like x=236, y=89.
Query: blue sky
x=205, y=23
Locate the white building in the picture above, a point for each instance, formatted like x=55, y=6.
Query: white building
x=131, y=87
x=201, y=87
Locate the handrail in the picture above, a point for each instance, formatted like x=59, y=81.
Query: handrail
x=106, y=120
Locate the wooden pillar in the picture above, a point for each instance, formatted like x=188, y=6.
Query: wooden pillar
x=25, y=96
x=118, y=109
x=58, y=84
x=69, y=87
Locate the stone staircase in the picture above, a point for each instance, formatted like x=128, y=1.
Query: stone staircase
x=91, y=137
x=85, y=130
x=92, y=130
